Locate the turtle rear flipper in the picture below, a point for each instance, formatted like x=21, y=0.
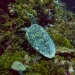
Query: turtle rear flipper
x=37, y=56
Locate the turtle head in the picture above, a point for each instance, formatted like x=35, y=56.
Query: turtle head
x=31, y=18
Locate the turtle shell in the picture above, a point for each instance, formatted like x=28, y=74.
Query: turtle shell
x=40, y=40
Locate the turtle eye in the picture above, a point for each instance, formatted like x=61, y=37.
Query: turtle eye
x=31, y=16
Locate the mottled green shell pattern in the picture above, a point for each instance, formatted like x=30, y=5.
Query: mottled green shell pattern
x=40, y=40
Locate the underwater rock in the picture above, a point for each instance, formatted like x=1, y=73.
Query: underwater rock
x=1, y=50
x=46, y=19
x=26, y=59
x=11, y=11
x=2, y=20
x=4, y=5
x=67, y=73
x=65, y=52
x=39, y=39
x=4, y=43
x=9, y=48
x=60, y=62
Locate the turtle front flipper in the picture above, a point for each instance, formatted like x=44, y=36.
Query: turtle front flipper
x=24, y=29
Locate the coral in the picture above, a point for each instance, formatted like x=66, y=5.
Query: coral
x=13, y=16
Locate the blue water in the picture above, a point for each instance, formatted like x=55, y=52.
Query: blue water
x=70, y=4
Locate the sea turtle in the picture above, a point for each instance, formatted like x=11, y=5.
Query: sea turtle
x=39, y=39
